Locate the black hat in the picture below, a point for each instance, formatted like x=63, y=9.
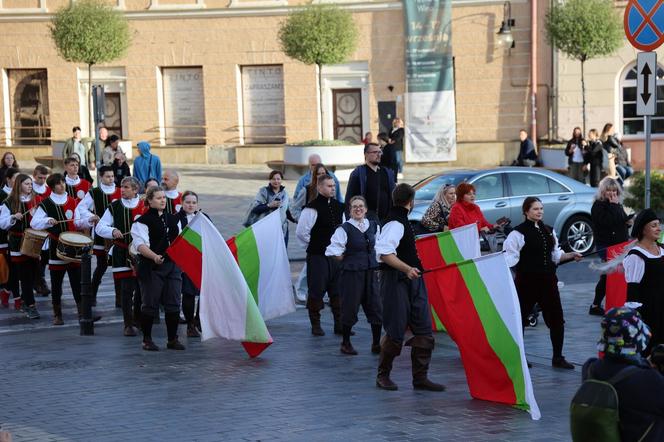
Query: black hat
x=113, y=138
x=642, y=219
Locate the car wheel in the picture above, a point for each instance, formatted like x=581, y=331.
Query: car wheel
x=577, y=235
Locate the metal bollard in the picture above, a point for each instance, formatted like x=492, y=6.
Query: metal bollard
x=86, y=323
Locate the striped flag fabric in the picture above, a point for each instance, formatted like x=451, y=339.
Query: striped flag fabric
x=481, y=313
x=616, y=286
x=260, y=251
x=227, y=307
x=444, y=248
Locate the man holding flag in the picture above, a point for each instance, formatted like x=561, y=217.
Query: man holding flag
x=404, y=296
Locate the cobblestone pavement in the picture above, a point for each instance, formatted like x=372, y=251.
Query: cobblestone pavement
x=58, y=386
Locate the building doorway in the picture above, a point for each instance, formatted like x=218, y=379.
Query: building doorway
x=113, y=114
x=387, y=111
x=347, y=114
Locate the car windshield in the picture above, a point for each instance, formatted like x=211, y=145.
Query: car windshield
x=426, y=190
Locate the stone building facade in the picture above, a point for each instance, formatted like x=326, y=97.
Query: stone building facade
x=205, y=80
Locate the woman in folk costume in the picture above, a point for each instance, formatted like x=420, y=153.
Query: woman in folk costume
x=644, y=273
x=15, y=215
x=532, y=249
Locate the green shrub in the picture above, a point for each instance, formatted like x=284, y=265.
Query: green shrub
x=637, y=191
x=323, y=143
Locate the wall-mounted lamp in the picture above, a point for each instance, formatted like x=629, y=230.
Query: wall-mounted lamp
x=390, y=88
x=505, y=37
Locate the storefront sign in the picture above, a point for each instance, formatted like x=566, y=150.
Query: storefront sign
x=184, y=105
x=263, y=104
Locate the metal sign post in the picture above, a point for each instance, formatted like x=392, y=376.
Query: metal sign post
x=644, y=28
x=646, y=103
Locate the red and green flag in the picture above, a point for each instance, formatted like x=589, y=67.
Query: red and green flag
x=227, y=307
x=445, y=248
x=479, y=307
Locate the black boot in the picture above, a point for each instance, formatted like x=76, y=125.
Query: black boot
x=172, y=320
x=376, y=329
x=420, y=357
x=557, y=335
x=390, y=349
x=146, y=327
x=335, y=306
x=315, y=306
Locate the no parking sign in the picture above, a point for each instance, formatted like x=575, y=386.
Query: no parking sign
x=644, y=24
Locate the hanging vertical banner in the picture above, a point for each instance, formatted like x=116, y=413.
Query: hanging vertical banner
x=430, y=121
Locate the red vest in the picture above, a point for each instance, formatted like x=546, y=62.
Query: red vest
x=79, y=191
x=39, y=197
x=174, y=205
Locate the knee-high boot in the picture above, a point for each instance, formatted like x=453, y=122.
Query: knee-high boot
x=420, y=357
x=57, y=314
x=389, y=350
x=315, y=306
x=335, y=306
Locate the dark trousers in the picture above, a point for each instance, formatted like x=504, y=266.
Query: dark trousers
x=57, y=278
x=102, y=265
x=22, y=272
x=189, y=307
x=542, y=289
x=360, y=288
x=322, y=276
x=160, y=284
x=129, y=295
x=405, y=304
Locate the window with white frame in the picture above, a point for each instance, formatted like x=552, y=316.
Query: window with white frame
x=632, y=124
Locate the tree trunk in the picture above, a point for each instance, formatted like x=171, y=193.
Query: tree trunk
x=320, y=98
x=583, y=98
x=91, y=129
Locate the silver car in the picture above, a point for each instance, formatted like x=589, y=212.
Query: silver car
x=501, y=191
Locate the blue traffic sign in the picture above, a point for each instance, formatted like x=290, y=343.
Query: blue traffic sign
x=644, y=23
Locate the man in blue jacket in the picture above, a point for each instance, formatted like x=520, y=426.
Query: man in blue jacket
x=373, y=182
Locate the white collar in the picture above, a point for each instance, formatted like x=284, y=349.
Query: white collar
x=39, y=188
x=108, y=190
x=132, y=203
x=7, y=190
x=71, y=181
x=190, y=216
x=172, y=194
x=25, y=199
x=364, y=227
x=59, y=199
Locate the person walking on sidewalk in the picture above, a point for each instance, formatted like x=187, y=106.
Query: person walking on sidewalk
x=611, y=223
x=353, y=245
x=577, y=154
x=532, y=249
x=317, y=223
x=405, y=302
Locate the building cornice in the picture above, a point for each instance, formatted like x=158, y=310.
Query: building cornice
x=196, y=11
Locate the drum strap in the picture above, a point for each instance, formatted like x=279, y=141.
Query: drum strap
x=11, y=233
x=122, y=245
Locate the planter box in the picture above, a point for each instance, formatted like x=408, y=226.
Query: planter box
x=340, y=159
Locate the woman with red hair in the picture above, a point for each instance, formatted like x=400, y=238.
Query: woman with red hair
x=465, y=211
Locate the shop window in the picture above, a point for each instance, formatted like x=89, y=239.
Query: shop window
x=183, y=105
x=28, y=96
x=632, y=124
x=263, y=115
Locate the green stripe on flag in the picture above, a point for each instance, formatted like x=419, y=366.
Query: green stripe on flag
x=496, y=331
x=248, y=259
x=438, y=324
x=193, y=238
x=448, y=248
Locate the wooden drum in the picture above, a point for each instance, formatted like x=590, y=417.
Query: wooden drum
x=32, y=242
x=71, y=246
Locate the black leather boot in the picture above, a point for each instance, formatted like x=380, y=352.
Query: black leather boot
x=389, y=350
x=420, y=357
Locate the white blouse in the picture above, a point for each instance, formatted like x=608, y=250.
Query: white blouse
x=634, y=265
x=515, y=242
x=339, y=239
x=388, y=239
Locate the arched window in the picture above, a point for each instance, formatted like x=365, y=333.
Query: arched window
x=632, y=124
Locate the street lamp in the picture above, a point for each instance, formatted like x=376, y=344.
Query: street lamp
x=505, y=37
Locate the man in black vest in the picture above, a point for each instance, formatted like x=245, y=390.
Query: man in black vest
x=373, y=182
x=404, y=295
x=315, y=227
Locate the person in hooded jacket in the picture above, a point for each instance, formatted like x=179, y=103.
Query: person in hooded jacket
x=146, y=165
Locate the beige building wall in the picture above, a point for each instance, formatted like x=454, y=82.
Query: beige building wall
x=492, y=83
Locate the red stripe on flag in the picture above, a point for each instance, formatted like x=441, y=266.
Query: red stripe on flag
x=428, y=249
x=231, y=245
x=616, y=286
x=487, y=377
x=188, y=258
x=253, y=349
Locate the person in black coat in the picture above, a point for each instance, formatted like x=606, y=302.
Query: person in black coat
x=595, y=157
x=576, y=152
x=641, y=393
x=527, y=153
x=611, y=224
x=373, y=182
x=389, y=157
x=397, y=135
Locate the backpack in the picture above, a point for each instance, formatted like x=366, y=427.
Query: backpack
x=594, y=414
